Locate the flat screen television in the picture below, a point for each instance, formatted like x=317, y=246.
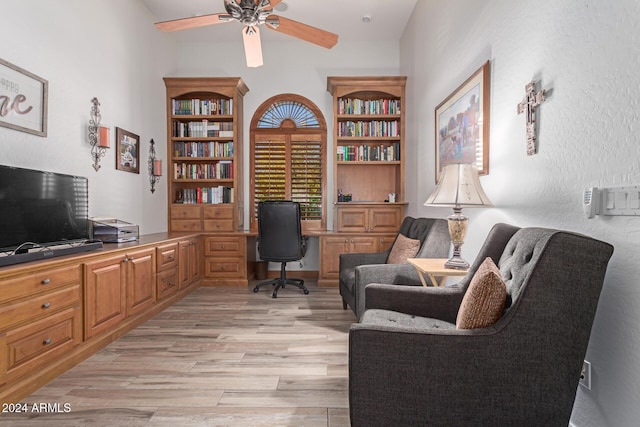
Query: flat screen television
x=40, y=210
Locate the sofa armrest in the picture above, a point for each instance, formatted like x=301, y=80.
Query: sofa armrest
x=352, y=260
x=392, y=274
x=437, y=303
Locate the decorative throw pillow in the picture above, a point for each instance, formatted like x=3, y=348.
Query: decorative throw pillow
x=483, y=303
x=402, y=249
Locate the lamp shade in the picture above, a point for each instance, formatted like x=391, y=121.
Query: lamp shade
x=459, y=186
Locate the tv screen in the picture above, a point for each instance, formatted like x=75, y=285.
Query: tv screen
x=41, y=208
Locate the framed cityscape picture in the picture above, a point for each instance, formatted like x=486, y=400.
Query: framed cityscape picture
x=462, y=124
x=127, y=151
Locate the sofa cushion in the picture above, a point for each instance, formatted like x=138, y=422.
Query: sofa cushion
x=483, y=303
x=402, y=249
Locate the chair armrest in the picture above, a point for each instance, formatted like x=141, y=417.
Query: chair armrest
x=438, y=303
x=392, y=274
x=352, y=260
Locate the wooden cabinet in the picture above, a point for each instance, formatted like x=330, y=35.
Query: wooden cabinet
x=368, y=137
x=363, y=218
x=332, y=245
x=40, y=318
x=46, y=305
x=116, y=287
x=228, y=259
x=205, y=145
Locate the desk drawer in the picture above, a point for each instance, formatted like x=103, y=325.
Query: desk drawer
x=186, y=212
x=218, y=225
x=40, y=281
x=185, y=225
x=218, y=212
x=224, y=267
x=38, y=306
x=167, y=283
x=38, y=343
x=224, y=246
x=167, y=256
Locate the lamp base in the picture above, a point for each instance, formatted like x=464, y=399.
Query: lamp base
x=457, y=230
x=456, y=263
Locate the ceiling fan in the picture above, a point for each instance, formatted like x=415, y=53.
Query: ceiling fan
x=252, y=14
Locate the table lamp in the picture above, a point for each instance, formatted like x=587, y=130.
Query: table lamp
x=459, y=187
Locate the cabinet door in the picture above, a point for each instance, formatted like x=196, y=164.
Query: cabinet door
x=363, y=244
x=330, y=249
x=105, y=298
x=385, y=219
x=184, y=275
x=194, y=260
x=352, y=219
x=141, y=274
x=385, y=242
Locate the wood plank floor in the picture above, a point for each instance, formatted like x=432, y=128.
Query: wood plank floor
x=223, y=356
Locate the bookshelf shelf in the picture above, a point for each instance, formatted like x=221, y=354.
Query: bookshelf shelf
x=204, y=146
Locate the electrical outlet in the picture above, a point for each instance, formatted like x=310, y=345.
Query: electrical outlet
x=585, y=375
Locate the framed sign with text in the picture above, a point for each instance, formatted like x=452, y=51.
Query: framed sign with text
x=23, y=100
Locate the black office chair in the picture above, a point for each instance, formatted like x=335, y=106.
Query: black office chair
x=280, y=240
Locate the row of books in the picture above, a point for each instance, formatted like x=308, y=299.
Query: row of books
x=368, y=153
x=205, y=195
x=368, y=106
x=202, y=129
x=373, y=128
x=203, y=149
x=198, y=107
x=219, y=170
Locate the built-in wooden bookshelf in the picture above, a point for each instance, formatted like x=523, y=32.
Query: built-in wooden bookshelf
x=204, y=144
x=368, y=141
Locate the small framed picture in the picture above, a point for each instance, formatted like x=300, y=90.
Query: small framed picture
x=127, y=151
x=462, y=124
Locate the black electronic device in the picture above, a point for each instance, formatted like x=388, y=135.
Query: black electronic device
x=41, y=212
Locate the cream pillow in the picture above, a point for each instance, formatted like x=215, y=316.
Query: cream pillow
x=402, y=249
x=484, y=301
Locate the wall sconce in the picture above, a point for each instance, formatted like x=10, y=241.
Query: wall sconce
x=155, y=166
x=98, y=135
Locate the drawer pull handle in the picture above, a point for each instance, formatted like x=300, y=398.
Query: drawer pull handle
x=46, y=305
x=46, y=281
x=47, y=341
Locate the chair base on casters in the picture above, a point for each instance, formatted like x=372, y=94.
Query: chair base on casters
x=281, y=281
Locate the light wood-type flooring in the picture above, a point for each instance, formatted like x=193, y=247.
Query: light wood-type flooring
x=222, y=356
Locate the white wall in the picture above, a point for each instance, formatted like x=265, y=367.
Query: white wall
x=585, y=53
x=107, y=49
x=290, y=67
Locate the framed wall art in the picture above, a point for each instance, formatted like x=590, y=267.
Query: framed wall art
x=23, y=100
x=462, y=124
x=127, y=151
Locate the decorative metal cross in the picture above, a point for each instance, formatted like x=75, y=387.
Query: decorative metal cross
x=529, y=104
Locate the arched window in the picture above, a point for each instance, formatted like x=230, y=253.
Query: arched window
x=288, y=157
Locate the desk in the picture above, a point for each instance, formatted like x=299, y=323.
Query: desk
x=434, y=268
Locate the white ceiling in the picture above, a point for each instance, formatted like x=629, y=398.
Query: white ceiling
x=343, y=17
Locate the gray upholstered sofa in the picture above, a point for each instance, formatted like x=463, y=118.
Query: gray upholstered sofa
x=357, y=270
x=410, y=366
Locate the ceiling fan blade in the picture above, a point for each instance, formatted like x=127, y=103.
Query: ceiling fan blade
x=186, y=23
x=274, y=3
x=303, y=31
x=252, y=46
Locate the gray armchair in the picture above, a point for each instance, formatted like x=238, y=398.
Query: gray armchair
x=357, y=270
x=409, y=365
